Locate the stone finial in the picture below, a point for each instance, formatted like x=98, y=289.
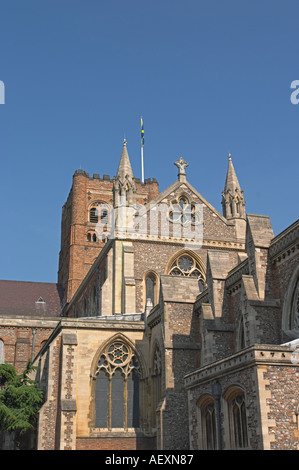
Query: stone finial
x=181, y=164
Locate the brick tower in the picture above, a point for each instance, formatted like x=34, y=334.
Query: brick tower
x=80, y=245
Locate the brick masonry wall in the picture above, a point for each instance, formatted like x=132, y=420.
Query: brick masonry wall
x=18, y=342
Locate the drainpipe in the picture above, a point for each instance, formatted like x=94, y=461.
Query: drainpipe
x=216, y=390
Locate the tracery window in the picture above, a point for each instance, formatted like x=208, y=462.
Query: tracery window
x=186, y=265
x=118, y=375
x=182, y=211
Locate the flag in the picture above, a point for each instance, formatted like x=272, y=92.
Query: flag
x=142, y=133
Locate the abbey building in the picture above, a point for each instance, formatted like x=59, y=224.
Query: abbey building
x=172, y=325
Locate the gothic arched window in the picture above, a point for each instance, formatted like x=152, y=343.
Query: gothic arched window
x=151, y=288
x=118, y=375
x=185, y=264
x=237, y=418
x=208, y=423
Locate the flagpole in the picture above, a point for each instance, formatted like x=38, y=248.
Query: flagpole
x=142, y=141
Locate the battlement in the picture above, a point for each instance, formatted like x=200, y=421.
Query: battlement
x=96, y=176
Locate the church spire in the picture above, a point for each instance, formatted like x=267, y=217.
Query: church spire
x=233, y=202
x=124, y=182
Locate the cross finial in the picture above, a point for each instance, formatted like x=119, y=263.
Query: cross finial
x=181, y=164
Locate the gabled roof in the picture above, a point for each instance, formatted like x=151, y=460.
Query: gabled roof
x=174, y=187
x=30, y=298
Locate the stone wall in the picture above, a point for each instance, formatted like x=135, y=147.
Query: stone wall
x=269, y=379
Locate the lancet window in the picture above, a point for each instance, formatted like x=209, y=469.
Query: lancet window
x=151, y=288
x=208, y=424
x=237, y=419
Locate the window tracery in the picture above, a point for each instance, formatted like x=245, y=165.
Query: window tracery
x=186, y=265
x=182, y=211
x=118, y=373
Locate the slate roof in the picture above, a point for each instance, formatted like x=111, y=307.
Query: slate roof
x=30, y=298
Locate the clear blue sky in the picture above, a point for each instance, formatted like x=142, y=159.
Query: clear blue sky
x=209, y=78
